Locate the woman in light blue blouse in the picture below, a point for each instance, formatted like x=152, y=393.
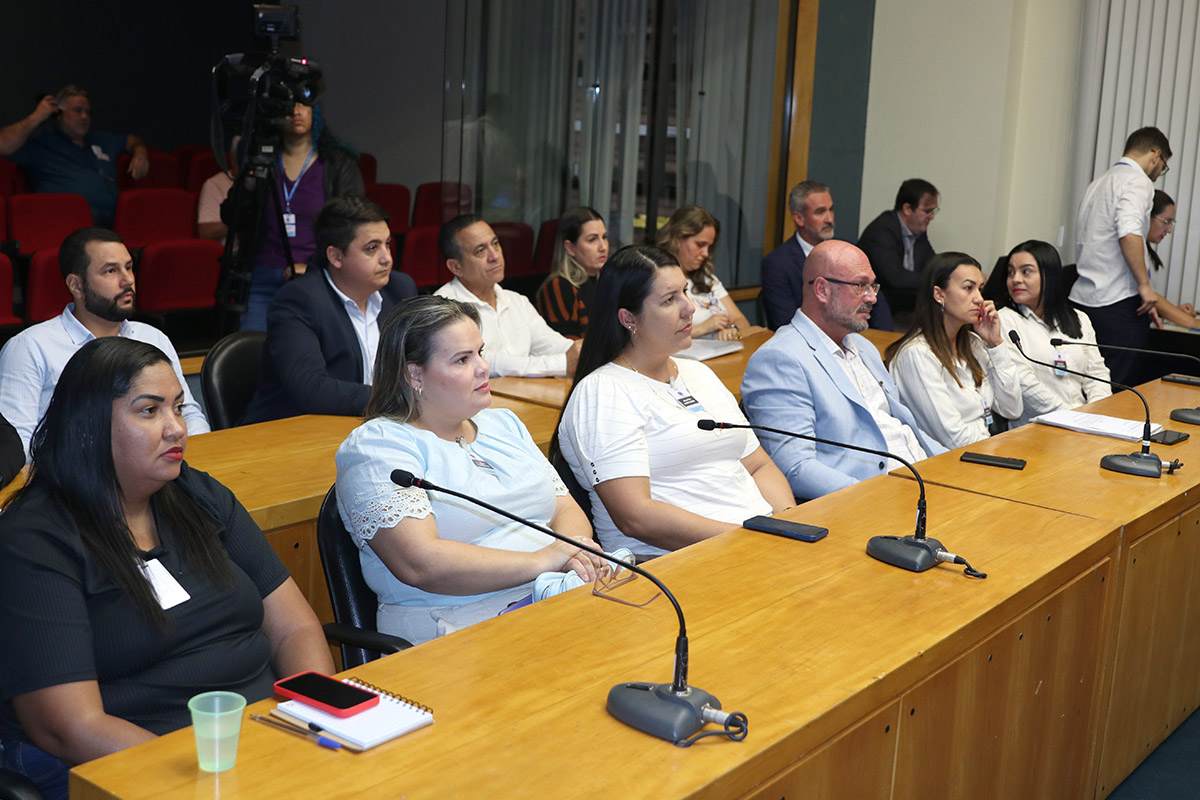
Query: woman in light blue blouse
x=436, y=562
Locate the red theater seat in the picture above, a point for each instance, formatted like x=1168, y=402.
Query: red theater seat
x=42, y=221
x=516, y=239
x=420, y=259
x=395, y=200
x=437, y=202
x=179, y=274
x=7, y=317
x=45, y=292
x=163, y=174
x=153, y=215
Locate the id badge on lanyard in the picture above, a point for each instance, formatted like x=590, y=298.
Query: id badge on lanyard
x=1060, y=363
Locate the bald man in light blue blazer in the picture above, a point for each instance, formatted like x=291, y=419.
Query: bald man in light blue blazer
x=818, y=376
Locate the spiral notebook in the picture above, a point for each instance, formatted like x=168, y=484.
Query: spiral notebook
x=392, y=718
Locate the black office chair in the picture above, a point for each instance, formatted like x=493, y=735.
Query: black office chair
x=230, y=376
x=15, y=786
x=573, y=486
x=353, y=601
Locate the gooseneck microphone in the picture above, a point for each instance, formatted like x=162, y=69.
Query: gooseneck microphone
x=1189, y=415
x=1143, y=463
x=915, y=553
x=672, y=711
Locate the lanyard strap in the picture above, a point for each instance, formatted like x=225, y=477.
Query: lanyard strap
x=287, y=196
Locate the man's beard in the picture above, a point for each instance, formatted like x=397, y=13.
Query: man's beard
x=106, y=308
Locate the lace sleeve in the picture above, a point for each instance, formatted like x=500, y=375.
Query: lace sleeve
x=384, y=507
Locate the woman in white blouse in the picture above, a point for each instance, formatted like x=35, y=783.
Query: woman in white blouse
x=952, y=367
x=1036, y=308
x=628, y=431
x=439, y=563
x=691, y=235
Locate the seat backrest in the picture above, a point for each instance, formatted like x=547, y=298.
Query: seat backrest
x=179, y=274
x=6, y=293
x=184, y=154
x=396, y=200
x=420, y=259
x=153, y=215
x=45, y=291
x=369, y=168
x=436, y=203
x=201, y=167
x=353, y=601
x=229, y=377
x=40, y=221
x=543, y=257
x=163, y=172
x=516, y=238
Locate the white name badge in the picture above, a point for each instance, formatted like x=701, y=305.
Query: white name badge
x=1060, y=363
x=100, y=154
x=289, y=224
x=166, y=588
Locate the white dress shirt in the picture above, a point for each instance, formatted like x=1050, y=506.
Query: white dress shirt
x=956, y=413
x=1115, y=205
x=1043, y=389
x=365, y=324
x=899, y=437
x=516, y=340
x=31, y=362
x=805, y=246
x=706, y=303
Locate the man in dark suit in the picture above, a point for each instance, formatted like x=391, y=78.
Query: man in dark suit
x=322, y=327
x=897, y=244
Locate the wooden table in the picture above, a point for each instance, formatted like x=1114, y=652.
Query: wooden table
x=553, y=391
x=1152, y=678
x=859, y=680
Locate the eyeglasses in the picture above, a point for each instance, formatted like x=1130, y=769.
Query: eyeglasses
x=930, y=212
x=1168, y=222
x=859, y=288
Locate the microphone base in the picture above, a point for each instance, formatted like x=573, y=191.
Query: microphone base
x=1189, y=415
x=905, y=552
x=1147, y=465
x=655, y=709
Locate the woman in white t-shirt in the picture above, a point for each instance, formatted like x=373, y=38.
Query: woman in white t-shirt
x=691, y=235
x=628, y=431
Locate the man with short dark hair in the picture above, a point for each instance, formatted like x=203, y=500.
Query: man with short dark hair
x=1114, y=288
x=68, y=156
x=817, y=368
x=98, y=271
x=897, y=242
x=516, y=339
x=323, y=325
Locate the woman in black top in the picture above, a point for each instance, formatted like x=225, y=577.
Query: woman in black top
x=128, y=581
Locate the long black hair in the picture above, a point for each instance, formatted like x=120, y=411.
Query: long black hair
x=1161, y=201
x=1055, y=308
x=625, y=282
x=72, y=456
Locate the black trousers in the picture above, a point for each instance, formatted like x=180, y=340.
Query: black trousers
x=1120, y=324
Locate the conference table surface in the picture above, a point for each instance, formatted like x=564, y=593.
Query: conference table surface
x=1063, y=467
x=805, y=639
x=281, y=470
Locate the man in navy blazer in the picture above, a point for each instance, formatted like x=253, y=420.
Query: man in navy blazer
x=897, y=242
x=323, y=326
x=811, y=206
x=818, y=376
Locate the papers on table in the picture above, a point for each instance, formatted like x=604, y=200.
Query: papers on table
x=704, y=349
x=1115, y=427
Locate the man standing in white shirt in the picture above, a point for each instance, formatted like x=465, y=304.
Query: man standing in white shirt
x=99, y=274
x=1114, y=285
x=516, y=340
x=817, y=367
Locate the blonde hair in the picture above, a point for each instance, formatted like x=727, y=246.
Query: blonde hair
x=570, y=228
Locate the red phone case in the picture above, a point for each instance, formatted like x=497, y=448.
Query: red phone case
x=284, y=691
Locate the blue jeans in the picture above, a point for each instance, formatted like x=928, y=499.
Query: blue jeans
x=263, y=286
x=48, y=772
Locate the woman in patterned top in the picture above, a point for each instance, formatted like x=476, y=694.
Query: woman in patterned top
x=580, y=250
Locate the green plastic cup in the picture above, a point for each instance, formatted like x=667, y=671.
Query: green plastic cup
x=217, y=722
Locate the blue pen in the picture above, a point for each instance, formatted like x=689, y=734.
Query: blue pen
x=323, y=741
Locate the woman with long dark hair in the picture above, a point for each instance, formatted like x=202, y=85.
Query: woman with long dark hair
x=436, y=562
x=580, y=251
x=1162, y=222
x=128, y=581
x=952, y=368
x=628, y=430
x=691, y=236
x=1036, y=307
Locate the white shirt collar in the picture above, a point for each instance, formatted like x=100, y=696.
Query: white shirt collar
x=374, y=301
x=81, y=335
x=805, y=246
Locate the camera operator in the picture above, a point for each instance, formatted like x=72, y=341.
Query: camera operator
x=312, y=168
